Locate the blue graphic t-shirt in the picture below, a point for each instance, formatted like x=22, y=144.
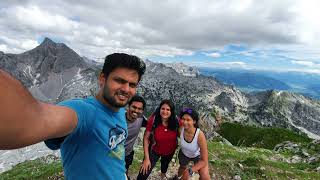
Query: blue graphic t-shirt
x=95, y=148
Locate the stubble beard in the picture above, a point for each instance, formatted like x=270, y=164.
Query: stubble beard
x=111, y=99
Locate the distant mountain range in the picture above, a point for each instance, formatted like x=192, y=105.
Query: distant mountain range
x=53, y=72
x=249, y=80
x=252, y=80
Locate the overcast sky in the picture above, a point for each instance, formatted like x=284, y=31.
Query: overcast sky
x=261, y=34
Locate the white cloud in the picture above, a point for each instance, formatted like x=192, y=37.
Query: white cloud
x=161, y=28
x=3, y=47
x=29, y=44
x=308, y=21
x=34, y=18
x=236, y=63
x=304, y=63
x=214, y=55
x=231, y=65
x=311, y=70
x=16, y=46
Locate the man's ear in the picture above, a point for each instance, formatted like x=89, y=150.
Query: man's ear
x=102, y=79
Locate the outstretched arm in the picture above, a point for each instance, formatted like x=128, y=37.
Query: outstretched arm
x=24, y=120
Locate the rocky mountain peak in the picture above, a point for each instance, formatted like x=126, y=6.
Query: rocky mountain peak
x=286, y=109
x=47, y=42
x=47, y=46
x=47, y=69
x=50, y=57
x=148, y=62
x=184, y=69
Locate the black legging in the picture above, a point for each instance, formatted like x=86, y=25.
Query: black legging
x=154, y=157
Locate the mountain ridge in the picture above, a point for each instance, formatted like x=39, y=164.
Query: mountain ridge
x=62, y=79
x=54, y=72
x=260, y=80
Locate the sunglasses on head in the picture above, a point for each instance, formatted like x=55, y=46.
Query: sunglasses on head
x=187, y=110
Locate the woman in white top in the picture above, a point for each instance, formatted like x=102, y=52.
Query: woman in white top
x=193, y=147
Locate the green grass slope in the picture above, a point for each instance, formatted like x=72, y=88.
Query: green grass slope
x=225, y=162
x=248, y=136
x=34, y=169
x=251, y=158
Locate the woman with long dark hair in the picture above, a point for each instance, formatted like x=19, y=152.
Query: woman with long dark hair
x=162, y=126
x=193, y=147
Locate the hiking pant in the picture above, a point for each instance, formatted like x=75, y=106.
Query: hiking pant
x=154, y=157
x=128, y=159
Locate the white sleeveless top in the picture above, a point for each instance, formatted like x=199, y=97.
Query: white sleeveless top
x=190, y=149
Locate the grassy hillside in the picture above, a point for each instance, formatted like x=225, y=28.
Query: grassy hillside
x=243, y=135
x=39, y=169
x=225, y=161
x=255, y=163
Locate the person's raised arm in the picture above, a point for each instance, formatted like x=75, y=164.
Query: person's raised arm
x=24, y=120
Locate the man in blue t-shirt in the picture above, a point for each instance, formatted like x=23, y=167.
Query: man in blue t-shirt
x=89, y=132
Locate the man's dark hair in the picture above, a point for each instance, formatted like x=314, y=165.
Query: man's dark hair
x=137, y=98
x=117, y=60
x=173, y=122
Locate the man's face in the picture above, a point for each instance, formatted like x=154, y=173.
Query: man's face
x=119, y=87
x=135, y=110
